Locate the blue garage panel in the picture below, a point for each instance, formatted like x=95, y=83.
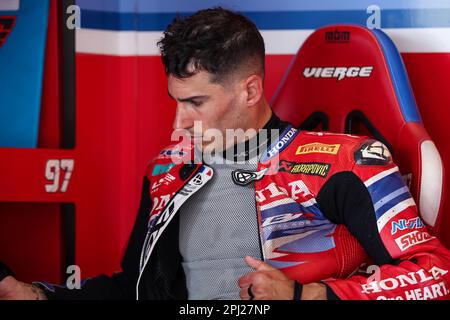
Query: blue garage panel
x=21, y=70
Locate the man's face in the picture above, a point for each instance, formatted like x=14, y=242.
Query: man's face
x=217, y=106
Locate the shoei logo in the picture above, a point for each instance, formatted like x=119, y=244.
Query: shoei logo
x=337, y=72
x=337, y=36
x=318, y=148
x=413, y=238
x=6, y=26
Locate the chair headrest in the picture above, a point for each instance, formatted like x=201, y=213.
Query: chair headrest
x=348, y=72
x=343, y=68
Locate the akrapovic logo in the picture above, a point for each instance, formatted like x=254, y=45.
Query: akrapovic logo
x=337, y=72
x=308, y=168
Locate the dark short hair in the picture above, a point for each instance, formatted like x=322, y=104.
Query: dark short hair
x=215, y=40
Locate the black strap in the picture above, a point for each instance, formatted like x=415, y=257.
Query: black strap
x=298, y=288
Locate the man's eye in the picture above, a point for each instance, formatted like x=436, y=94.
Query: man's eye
x=197, y=103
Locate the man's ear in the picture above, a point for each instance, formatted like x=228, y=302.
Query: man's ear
x=254, y=88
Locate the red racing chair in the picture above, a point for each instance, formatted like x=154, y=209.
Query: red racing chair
x=350, y=79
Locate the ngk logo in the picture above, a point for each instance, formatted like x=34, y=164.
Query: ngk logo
x=411, y=239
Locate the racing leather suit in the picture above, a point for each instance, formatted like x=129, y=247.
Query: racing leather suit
x=327, y=204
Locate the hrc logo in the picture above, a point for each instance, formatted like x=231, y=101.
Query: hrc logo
x=6, y=26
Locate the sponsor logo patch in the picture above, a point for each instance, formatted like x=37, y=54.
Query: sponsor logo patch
x=197, y=181
x=281, y=143
x=337, y=72
x=403, y=224
x=337, y=36
x=282, y=218
x=413, y=238
x=404, y=280
x=318, y=148
x=373, y=152
x=308, y=168
x=245, y=177
x=162, y=168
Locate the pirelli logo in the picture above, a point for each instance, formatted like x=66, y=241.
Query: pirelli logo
x=318, y=148
x=309, y=168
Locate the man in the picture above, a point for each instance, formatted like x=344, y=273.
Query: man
x=294, y=220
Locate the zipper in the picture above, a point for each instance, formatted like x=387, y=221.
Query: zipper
x=259, y=226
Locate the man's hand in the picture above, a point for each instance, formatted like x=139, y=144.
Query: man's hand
x=269, y=283
x=11, y=289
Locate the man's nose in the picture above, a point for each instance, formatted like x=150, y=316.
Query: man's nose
x=182, y=119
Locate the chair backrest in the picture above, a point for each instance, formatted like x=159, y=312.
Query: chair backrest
x=350, y=79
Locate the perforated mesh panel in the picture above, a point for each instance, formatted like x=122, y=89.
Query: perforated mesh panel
x=218, y=228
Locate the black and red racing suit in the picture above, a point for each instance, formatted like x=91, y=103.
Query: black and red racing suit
x=326, y=205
